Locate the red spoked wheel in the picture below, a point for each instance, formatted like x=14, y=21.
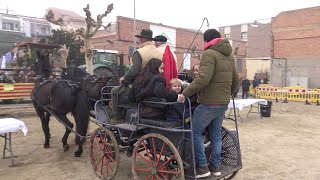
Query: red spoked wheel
x=104, y=153
x=156, y=157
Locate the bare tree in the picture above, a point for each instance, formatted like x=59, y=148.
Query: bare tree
x=91, y=29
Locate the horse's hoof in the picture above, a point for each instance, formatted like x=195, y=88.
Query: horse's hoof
x=77, y=154
x=66, y=147
x=46, y=146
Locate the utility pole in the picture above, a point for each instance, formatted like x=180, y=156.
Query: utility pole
x=134, y=26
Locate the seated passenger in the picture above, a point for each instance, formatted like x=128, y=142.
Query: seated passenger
x=180, y=111
x=151, y=83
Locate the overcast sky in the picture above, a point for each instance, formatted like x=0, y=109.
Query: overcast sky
x=178, y=13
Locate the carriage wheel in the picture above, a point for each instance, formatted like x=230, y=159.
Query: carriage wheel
x=230, y=152
x=156, y=157
x=230, y=176
x=104, y=153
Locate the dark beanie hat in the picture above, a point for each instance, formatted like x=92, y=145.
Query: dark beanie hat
x=211, y=34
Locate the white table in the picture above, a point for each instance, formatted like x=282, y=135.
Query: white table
x=241, y=103
x=7, y=126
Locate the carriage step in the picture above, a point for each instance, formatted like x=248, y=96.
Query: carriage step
x=102, y=113
x=129, y=127
x=127, y=106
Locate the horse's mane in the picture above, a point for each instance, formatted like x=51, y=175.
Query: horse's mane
x=74, y=74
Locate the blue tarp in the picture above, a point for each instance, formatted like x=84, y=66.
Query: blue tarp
x=8, y=57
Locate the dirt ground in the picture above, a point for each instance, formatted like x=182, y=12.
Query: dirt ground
x=284, y=146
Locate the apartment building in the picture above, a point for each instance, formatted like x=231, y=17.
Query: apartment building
x=252, y=47
x=18, y=28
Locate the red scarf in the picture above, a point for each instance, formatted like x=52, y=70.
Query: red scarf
x=212, y=42
x=169, y=66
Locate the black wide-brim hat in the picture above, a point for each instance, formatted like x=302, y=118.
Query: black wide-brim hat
x=161, y=38
x=145, y=33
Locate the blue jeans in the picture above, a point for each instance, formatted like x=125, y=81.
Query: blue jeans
x=211, y=117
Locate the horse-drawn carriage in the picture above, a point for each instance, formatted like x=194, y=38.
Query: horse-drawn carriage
x=159, y=149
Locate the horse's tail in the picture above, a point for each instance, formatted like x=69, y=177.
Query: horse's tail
x=81, y=115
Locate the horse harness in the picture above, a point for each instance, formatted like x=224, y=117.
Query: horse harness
x=49, y=107
x=43, y=81
x=91, y=83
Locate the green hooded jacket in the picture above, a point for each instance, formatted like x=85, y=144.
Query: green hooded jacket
x=217, y=78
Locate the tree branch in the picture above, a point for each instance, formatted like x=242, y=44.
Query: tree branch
x=50, y=18
x=100, y=17
x=90, y=21
x=81, y=32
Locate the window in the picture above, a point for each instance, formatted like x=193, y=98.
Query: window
x=244, y=28
x=7, y=26
x=239, y=65
x=227, y=30
x=244, y=36
x=187, y=61
x=104, y=58
x=44, y=31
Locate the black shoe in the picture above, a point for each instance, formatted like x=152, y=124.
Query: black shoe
x=202, y=172
x=215, y=171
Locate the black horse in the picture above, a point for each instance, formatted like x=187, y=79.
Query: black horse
x=57, y=98
x=90, y=83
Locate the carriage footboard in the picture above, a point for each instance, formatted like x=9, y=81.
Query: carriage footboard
x=102, y=113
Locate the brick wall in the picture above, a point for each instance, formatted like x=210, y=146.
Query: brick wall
x=297, y=33
x=296, y=46
x=259, y=41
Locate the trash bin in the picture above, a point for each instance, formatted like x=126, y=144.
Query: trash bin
x=266, y=109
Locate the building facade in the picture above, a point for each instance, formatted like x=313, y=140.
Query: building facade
x=17, y=28
x=70, y=19
x=252, y=49
x=297, y=48
x=120, y=37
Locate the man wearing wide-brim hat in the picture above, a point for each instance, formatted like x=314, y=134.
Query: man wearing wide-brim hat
x=161, y=44
x=169, y=58
x=140, y=57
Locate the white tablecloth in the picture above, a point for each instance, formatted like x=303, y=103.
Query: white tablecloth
x=241, y=103
x=12, y=125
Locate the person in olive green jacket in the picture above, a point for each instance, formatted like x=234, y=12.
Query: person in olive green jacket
x=216, y=82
